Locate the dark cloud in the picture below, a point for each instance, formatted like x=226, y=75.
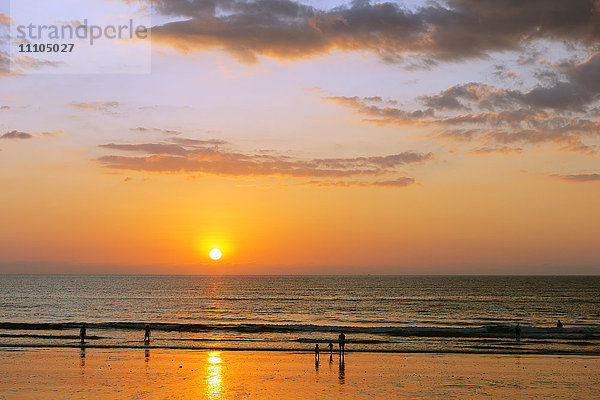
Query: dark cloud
x=455, y=30
x=579, y=177
x=16, y=135
x=4, y=108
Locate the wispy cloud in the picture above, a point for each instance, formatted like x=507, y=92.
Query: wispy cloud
x=203, y=156
x=397, y=182
x=156, y=130
x=14, y=134
x=578, y=178
x=500, y=150
x=106, y=106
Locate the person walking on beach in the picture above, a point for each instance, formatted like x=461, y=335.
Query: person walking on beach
x=342, y=342
x=147, y=334
x=330, y=345
x=518, y=332
x=82, y=333
x=317, y=352
x=559, y=324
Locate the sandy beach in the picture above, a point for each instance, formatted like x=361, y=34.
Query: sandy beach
x=180, y=374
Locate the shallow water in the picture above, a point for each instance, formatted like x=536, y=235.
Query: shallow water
x=399, y=314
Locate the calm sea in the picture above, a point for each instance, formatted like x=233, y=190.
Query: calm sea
x=470, y=314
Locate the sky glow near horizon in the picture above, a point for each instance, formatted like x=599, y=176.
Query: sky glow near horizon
x=303, y=137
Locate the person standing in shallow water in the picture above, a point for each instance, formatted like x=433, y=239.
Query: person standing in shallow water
x=330, y=345
x=518, y=332
x=559, y=324
x=82, y=333
x=342, y=342
x=317, y=352
x=147, y=334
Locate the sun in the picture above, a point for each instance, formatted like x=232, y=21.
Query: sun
x=215, y=254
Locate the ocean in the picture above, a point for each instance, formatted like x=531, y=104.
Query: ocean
x=437, y=314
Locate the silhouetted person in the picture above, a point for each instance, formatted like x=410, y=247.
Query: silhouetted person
x=330, y=345
x=317, y=352
x=82, y=333
x=518, y=332
x=342, y=342
x=559, y=324
x=147, y=334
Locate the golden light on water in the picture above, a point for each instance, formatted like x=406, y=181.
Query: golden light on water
x=215, y=254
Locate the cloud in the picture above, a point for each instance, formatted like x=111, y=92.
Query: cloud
x=4, y=64
x=455, y=30
x=563, y=113
x=5, y=19
x=576, y=178
x=501, y=150
x=156, y=130
x=202, y=156
x=16, y=135
x=4, y=108
x=106, y=106
x=197, y=142
x=398, y=182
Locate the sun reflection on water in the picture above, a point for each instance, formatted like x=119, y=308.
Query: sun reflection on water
x=214, y=375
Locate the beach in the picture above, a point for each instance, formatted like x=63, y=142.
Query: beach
x=183, y=374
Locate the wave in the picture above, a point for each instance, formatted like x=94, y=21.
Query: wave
x=491, y=331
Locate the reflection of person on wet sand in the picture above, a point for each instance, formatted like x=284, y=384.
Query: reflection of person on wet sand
x=342, y=372
x=82, y=333
x=82, y=360
x=147, y=334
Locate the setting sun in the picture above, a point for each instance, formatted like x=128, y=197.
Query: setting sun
x=215, y=254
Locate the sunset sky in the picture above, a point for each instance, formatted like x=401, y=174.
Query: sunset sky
x=311, y=137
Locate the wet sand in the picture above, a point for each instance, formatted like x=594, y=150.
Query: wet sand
x=180, y=374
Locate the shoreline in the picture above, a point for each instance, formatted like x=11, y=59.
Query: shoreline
x=298, y=351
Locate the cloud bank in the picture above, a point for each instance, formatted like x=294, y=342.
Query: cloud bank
x=191, y=156
x=437, y=31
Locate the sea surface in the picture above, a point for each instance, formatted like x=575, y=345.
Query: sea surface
x=445, y=314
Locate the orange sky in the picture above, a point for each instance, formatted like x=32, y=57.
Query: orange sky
x=331, y=160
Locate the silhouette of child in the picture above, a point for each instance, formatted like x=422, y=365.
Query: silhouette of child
x=147, y=334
